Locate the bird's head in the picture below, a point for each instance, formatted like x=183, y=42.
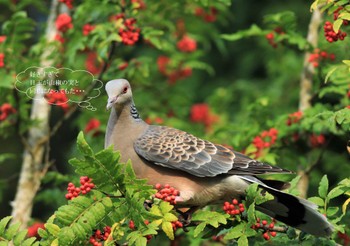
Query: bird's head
x=119, y=92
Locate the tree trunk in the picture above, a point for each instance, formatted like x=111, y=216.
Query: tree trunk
x=306, y=86
x=33, y=157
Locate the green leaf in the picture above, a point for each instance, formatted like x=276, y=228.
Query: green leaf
x=337, y=24
x=52, y=228
x=235, y=232
x=19, y=237
x=317, y=200
x=345, y=16
x=254, y=30
x=332, y=211
x=330, y=72
x=3, y=223
x=335, y=192
x=346, y=62
x=242, y=241
x=170, y=217
x=210, y=217
x=83, y=146
x=199, y=229
x=168, y=229
x=165, y=207
x=323, y=187
x=12, y=230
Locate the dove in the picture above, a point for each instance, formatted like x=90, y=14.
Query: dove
x=203, y=172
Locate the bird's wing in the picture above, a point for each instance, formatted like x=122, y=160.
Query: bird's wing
x=177, y=149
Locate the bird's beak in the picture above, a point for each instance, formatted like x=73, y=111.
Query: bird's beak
x=111, y=101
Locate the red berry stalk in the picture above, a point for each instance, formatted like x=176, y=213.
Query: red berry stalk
x=166, y=193
x=85, y=187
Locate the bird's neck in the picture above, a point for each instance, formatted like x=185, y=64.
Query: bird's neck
x=123, y=118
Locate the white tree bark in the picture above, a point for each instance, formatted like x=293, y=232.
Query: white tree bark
x=33, y=157
x=306, y=82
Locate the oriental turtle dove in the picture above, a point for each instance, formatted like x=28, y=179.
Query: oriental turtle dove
x=203, y=172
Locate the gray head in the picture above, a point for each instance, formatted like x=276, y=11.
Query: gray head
x=119, y=92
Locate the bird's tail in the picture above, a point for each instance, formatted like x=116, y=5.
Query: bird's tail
x=294, y=211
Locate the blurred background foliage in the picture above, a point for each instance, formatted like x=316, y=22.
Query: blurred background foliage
x=226, y=88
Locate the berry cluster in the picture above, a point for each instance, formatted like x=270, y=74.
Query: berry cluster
x=176, y=224
x=92, y=126
x=92, y=64
x=2, y=39
x=173, y=74
x=200, y=113
x=271, y=39
x=271, y=36
x=265, y=140
x=294, y=118
x=85, y=187
x=187, y=44
x=336, y=15
x=69, y=3
x=266, y=227
x=317, y=56
x=234, y=208
x=317, y=140
x=59, y=38
x=166, y=193
x=33, y=229
x=330, y=34
x=129, y=33
x=58, y=98
x=64, y=22
x=5, y=110
x=100, y=236
x=207, y=16
x=2, y=57
x=87, y=28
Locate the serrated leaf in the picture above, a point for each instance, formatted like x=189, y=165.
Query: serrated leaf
x=52, y=228
x=31, y=242
x=83, y=146
x=210, y=217
x=165, y=207
x=141, y=241
x=330, y=72
x=235, y=232
x=19, y=237
x=323, y=187
x=170, y=217
x=332, y=211
x=168, y=229
x=12, y=230
x=317, y=200
x=3, y=223
x=254, y=30
x=346, y=62
x=337, y=24
x=335, y=192
x=199, y=229
x=345, y=16
x=242, y=241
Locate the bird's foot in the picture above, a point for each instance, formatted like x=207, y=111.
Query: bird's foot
x=147, y=204
x=186, y=217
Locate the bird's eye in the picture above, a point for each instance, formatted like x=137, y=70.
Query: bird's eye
x=125, y=90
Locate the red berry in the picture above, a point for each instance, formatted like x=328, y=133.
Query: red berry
x=271, y=225
x=266, y=236
x=264, y=222
x=273, y=233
